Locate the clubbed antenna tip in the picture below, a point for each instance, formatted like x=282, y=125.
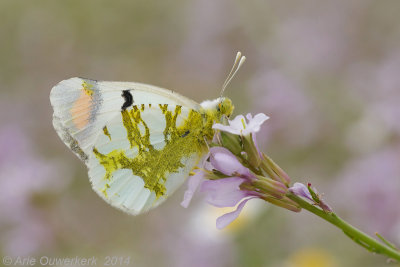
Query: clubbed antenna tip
x=239, y=60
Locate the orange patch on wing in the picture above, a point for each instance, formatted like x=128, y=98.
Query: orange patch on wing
x=80, y=111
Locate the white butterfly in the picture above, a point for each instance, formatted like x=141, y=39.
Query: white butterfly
x=139, y=142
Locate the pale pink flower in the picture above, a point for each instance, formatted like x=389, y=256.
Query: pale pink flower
x=223, y=160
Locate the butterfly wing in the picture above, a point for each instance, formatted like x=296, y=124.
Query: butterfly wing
x=138, y=141
x=82, y=107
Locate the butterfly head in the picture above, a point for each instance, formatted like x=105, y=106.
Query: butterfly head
x=225, y=107
x=218, y=108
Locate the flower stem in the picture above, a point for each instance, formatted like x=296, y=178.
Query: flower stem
x=356, y=235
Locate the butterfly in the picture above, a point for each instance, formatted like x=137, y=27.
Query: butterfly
x=138, y=141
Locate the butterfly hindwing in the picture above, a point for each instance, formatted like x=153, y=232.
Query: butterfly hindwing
x=138, y=141
x=138, y=171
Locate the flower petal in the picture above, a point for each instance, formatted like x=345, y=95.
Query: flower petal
x=324, y=206
x=193, y=183
x=226, y=128
x=236, y=126
x=224, y=161
x=301, y=190
x=240, y=126
x=254, y=123
x=224, y=192
x=227, y=218
x=256, y=144
x=239, y=122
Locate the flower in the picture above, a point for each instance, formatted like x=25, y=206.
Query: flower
x=235, y=171
x=239, y=126
x=311, y=194
x=300, y=190
x=226, y=182
x=247, y=132
x=224, y=161
x=224, y=192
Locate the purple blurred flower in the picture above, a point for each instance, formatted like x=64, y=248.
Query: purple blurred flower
x=284, y=99
x=374, y=182
x=239, y=126
x=383, y=103
x=24, y=174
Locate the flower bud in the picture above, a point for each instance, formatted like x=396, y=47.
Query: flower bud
x=231, y=142
x=225, y=162
x=276, y=172
x=251, y=150
x=284, y=203
x=269, y=186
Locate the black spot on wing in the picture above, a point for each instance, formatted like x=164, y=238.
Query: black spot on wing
x=186, y=133
x=128, y=99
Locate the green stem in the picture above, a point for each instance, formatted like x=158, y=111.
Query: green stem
x=356, y=235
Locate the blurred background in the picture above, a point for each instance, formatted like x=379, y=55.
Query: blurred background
x=326, y=72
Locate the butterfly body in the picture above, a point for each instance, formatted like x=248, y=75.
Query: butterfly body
x=138, y=141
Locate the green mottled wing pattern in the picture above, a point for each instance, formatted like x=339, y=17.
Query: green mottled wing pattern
x=145, y=154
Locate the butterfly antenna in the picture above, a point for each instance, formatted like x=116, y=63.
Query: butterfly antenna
x=239, y=60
